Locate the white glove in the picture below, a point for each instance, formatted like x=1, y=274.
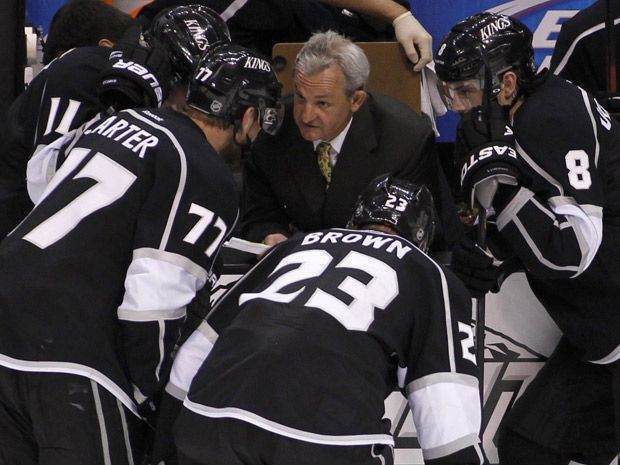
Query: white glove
x=410, y=33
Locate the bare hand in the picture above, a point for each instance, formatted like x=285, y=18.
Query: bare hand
x=271, y=240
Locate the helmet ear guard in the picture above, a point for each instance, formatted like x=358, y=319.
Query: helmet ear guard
x=271, y=117
x=400, y=204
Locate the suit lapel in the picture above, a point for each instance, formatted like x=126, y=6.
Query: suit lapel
x=306, y=173
x=357, y=156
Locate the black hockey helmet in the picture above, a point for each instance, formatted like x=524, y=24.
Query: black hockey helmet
x=188, y=32
x=407, y=208
x=499, y=42
x=230, y=78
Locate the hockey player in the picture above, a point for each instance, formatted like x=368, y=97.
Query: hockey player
x=294, y=363
x=95, y=280
x=61, y=97
x=186, y=32
x=68, y=92
x=544, y=157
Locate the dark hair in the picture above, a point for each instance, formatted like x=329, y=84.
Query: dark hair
x=81, y=23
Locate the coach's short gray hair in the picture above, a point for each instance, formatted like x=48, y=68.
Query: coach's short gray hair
x=324, y=49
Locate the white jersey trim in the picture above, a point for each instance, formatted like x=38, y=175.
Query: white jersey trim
x=572, y=47
x=586, y=222
x=282, y=430
x=454, y=446
x=72, y=369
x=230, y=11
x=149, y=293
x=182, y=175
x=174, y=259
x=151, y=315
x=447, y=312
x=610, y=358
x=586, y=102
x=541, y=172
x=103, y=430
x=175, y=391
x=189, y=359
x=436, y=378
x=445, y=414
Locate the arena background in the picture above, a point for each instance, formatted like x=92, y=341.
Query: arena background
x=519, y=334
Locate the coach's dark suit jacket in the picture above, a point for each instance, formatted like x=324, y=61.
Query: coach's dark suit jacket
x=284, y=190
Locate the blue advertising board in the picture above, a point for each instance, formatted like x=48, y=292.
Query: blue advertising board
x=543, y=17
x=39, y=13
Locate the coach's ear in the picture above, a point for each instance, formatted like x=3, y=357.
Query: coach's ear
x=357, y=100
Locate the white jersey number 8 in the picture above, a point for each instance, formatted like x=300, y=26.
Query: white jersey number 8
x=578, y=163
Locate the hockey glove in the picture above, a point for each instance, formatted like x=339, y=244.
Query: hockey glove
x=137, y=73
x=474, y=267
x=485, y=153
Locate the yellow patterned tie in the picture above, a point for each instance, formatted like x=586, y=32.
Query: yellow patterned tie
x=324, y=161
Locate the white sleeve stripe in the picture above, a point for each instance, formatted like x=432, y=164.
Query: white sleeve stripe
x=436, y=378
x=173, y=258
x=137, y=394
x=208, y=332
x=514, y=206
x=188, y=361
x=401, y=375
x=230, y=11
x=451, y=448
x=40, y=114
x=609, y=358
x=447, y=314
x=160, y=344
x=587, y=228
x=537, y=253
x=444, y=413
x=182, y=175
x=175, y=391
x=546, y=176
x=586, y=102
x=150, y=315
x=572, y=47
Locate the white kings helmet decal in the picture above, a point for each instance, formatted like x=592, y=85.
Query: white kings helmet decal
x=257, y=63
x=492, y=28
x=198, y=34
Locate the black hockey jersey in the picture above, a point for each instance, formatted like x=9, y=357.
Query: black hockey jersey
x=580, y=53
x=565, y=224
x=314, y=338
x=60, y=98
x=95, y=280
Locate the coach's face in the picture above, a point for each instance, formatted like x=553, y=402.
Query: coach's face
x=322, y=107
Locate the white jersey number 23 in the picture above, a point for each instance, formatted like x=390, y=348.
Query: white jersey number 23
x=356, y=316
